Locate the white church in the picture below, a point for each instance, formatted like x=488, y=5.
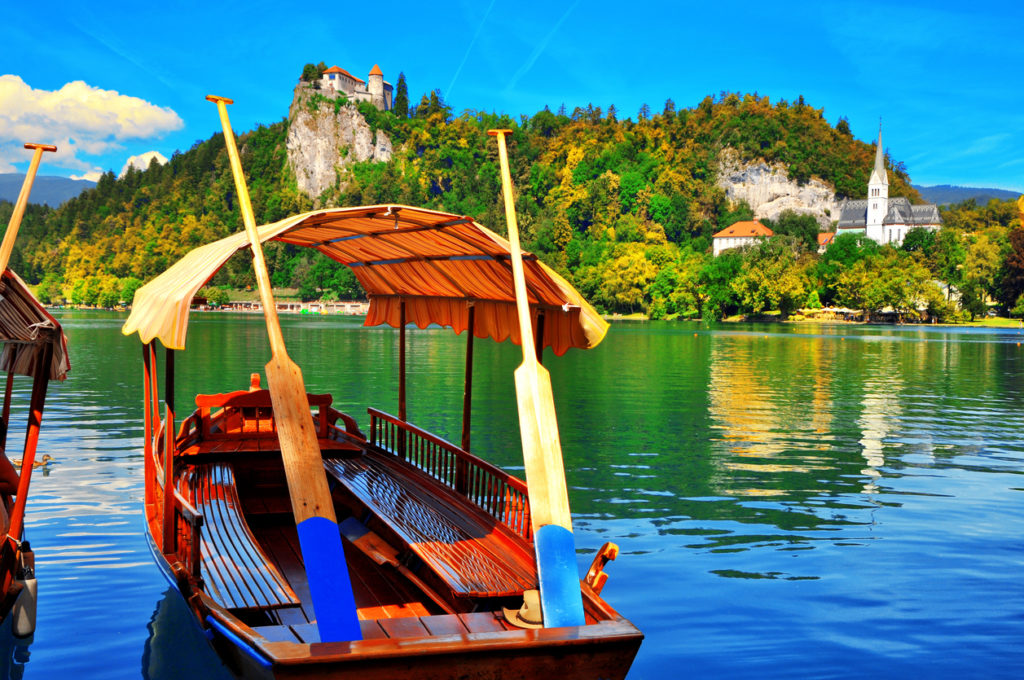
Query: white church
x=884, y=219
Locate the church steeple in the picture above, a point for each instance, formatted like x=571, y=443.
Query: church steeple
x=878, y=195
x=878, y=175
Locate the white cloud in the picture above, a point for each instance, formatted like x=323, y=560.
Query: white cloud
x=91, y=176
x=79, y=118
x=142, y=161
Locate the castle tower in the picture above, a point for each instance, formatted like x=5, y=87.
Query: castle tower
x=878, y=196
x=375, y=85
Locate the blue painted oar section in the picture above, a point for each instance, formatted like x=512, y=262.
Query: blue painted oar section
x=560, y=600
x=320, y=542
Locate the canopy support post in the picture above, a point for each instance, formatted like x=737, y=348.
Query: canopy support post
x=44, y=357
x=401, y=377
x=538, y=337
x=467, y=395
x=401, y=361
x=170, y=530
x=7, y=407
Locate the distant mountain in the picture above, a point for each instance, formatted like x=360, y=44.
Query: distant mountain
x=45, y=189
x=945, y=194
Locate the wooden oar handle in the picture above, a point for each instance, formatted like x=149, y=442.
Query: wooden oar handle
x=217, y=99
x=44, y=147
x=495, y=133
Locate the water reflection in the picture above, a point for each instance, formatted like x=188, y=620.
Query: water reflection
x=176, y=647
x=726, y=462
x=14, y=652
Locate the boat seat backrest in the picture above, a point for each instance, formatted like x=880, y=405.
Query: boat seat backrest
x=250, y=412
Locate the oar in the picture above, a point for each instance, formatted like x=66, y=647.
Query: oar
x=560, y=599
x=19, y=208
x=315, y=521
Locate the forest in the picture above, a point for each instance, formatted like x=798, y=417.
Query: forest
x=623, y=208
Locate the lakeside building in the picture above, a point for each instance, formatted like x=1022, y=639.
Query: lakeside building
x=739, y=234
x=884, y=219
x=374, y=89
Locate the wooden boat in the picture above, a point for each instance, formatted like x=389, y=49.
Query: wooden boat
x=34, y=346
x=438, y=542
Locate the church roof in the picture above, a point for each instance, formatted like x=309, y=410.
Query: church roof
x=744, y=228
x=853, y=214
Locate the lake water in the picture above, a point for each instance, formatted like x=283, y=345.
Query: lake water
x=790, y=501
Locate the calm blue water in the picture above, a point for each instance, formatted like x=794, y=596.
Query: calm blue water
x=827, y=502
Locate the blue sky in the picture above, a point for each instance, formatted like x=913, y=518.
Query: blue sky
x=107, y=81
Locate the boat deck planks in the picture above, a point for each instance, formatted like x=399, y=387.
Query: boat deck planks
x=233, y=563
x=462, y=548
x=403, y=628
x=377, y=596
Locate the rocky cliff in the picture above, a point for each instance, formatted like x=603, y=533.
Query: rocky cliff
x=769, y=191
x=323, y=138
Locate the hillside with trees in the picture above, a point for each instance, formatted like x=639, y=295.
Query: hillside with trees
x=624, y=208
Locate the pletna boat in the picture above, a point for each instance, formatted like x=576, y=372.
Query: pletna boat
x=34, y=346
x=308, y=547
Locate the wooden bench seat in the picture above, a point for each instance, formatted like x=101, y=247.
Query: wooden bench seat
x=234, y=568
x=473, y=554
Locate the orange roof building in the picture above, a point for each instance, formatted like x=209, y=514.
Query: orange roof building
x=739, y=234
x=374, y=90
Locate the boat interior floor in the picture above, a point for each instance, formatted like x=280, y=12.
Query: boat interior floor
x=252, y=564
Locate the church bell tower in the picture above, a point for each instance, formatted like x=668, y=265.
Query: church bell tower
x=878, y=196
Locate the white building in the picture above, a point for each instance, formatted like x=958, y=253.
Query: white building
x=746, y=233
x=884, y=219
x=377, y=91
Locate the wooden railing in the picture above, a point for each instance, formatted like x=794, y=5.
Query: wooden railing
x=188, y=534
x=500, y=494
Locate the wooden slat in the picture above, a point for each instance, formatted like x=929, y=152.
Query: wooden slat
x=236, y=571
x=460, y=547
x=483, y=622
x=444, y=624
x=277, y=633
x=410, y=627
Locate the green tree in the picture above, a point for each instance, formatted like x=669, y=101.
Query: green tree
x=919, y=240
x=719, y=297
x=1011, y=273
x=803, y=227
x=309, y=73
x=770, y=279
x=401, y=103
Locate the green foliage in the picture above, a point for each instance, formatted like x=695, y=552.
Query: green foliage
x=813, y=301
x=802, y=227
x=400, y=105
x=624, y=209
x=1018, y=307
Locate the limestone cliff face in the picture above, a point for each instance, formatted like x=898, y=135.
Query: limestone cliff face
x=321, y=142
x=769, y=191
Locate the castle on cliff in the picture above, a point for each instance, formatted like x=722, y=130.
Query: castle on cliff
x=374, y=89
x=883, y=219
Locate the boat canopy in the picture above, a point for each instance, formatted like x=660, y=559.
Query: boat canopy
x=25, y=327
x=438, y=264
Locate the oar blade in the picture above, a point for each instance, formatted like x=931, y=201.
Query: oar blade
x=561, y=603
x=315, y=520
x=560, y=597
